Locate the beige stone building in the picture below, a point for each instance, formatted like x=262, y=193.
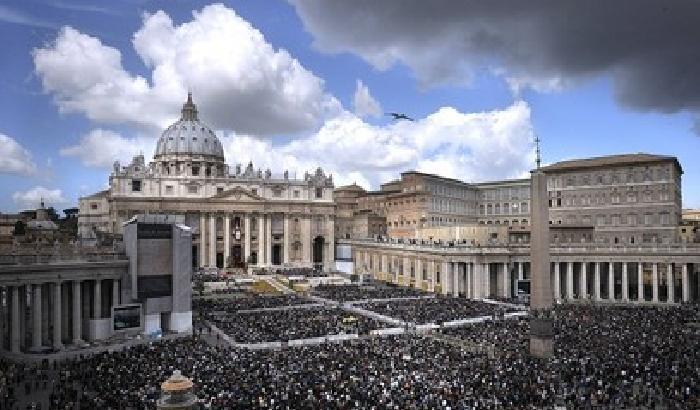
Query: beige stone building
x=689, y=229
x=239, y=216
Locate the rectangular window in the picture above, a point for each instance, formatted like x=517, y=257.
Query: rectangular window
x=93, y=206
x=296, y=193
x=195, y=171
x=254, y=191
x=169, y=189
x=136, y=185
x=219, y=190
x=192, y=189
x=319, y=192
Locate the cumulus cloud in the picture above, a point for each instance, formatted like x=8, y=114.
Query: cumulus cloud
x=469, y=146
x=363, y=102
x=649, y=48
x=99, y=148
x=239, y=80
x=33, y=197
x=15, y=159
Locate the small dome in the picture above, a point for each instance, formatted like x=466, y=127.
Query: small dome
x=189, y=136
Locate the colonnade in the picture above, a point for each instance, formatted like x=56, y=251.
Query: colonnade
x=482, y=276
x=50, y=315
x=264, y=239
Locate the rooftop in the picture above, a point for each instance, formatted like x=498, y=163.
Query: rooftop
x=610, y=160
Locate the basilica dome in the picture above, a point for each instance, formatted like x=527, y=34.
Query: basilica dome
x=189, y=137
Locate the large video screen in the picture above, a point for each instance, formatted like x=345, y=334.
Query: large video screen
x=127, y=317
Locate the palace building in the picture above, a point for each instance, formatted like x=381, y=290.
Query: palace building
x=240, y=216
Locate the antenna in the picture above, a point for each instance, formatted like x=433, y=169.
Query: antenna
x=538, y=159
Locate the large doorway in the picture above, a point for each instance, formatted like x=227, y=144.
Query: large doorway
x=237, y=256
x=318, y=250
x=276, y=254
x=219, y=260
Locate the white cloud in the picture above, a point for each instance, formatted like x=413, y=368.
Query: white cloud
x=15, y=159
x=100, y=148
x=480, y=146
x=363, y=102
x=33, y=197
x=239, y=81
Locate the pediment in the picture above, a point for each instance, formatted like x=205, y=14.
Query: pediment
x=238, y=194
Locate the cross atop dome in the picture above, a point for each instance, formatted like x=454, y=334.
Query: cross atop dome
x=189, y=110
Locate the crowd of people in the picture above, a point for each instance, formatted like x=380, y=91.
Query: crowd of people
x=290, y=324
x=344, y=293
x=248, y=301
x=435, y=310
x=605, y=357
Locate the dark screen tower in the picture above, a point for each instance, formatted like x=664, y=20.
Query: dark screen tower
x=541, y=328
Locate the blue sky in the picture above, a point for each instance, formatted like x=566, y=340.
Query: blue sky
x=58, y=145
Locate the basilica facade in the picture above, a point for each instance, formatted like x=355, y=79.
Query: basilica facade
x=242, y=216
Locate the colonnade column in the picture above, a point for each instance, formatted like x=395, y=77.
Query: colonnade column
x=212, y=240
x=455, y=278
x=611, y=281
x=433, y=276
x=202, y=239
x=640, y=281
x=15, y=336
x=487, y=280
x=97, y=300
x=261, y=240
x=670, y=296
x=418, y=263
x=268, y=239
x=36, y=316
x=506, y=281
x=227, y=239
x=684, y=285
x=596, y=281
x=246, y=239
x=57, y=325
x=77, y=316
x=557, y=285
x=655, y=282
x=625, y=290
x=285, y=247
x=583, y=280
x=468, y=268
x=570, y=280
x=445, y=277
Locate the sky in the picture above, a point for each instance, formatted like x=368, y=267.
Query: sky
x=300, y=84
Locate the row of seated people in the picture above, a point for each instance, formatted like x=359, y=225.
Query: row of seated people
x=604, y=358
x=248, y=301
x=344, y=293
x=290, y=324
x=435, y=310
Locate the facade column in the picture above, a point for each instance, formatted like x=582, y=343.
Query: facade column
x=115, y=292
x=455, y=278
x=583, y=280
x=557, y=285
x=445, y=277
x=487, y=280
x=15, y=336
x=261, y=240
x=506, y=281
x=611, y=281
x=77, y=314
x=97, y=299
x=433, y=276
x=285, y=247
x=596, y=281
x=246, y=239
x=655, y=282
x=640, y=282
x=570, y=280
x=468, y=280
x=685, y=285
x=227, y=239
x=57, y=317
x=36, y=316
x=418, y=263
x=268, y=239
x=212, y=240
x=202, y=239
x=521, y=274
x=625, y=283
x=670, y=291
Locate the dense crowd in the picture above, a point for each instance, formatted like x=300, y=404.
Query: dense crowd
x=344, y=293
x=435, y=310
x=290, y=324
x=604, y=358
x=247, y=302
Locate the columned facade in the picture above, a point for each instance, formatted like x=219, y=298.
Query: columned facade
x=601, y=274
